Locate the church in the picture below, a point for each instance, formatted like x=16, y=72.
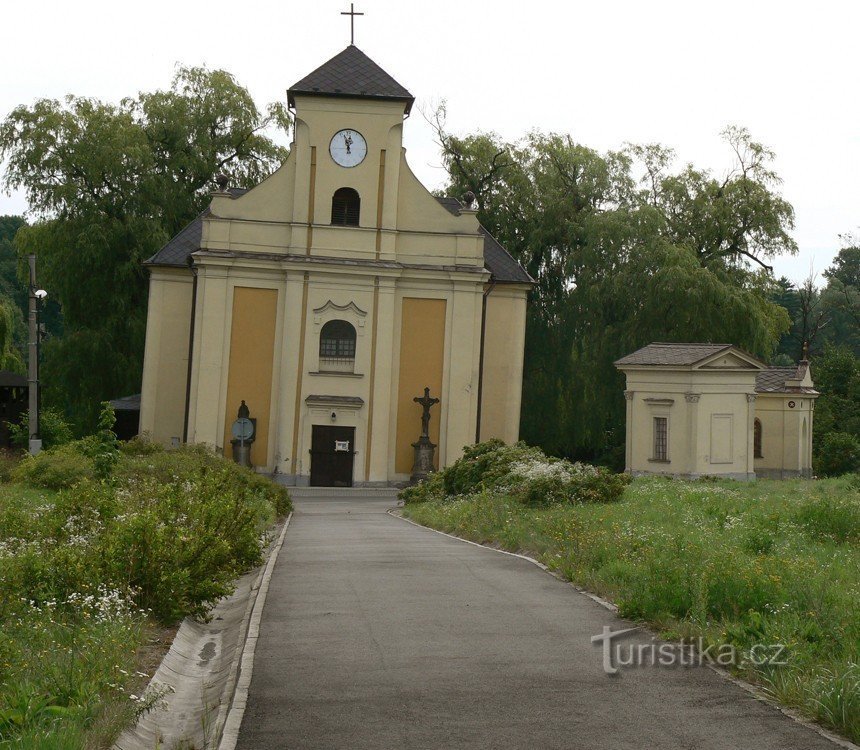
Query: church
x=320, y=304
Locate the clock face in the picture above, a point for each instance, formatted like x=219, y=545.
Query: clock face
x=348, y=148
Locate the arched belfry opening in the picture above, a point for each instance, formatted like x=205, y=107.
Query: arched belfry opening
x=345, y=207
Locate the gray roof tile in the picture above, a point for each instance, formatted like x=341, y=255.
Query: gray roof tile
x=178, y=249
x=352, y=74
x=774, y=380
x=672, y=354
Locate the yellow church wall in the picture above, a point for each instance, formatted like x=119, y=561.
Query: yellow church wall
x=460, y=389
x=165, y=370
x=270, y=200
x=419, y=211
x=504, y=341
x=251, y=362
x=421, y=361
x=379, y=442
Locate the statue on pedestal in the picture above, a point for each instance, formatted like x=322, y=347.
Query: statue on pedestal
x=424, y=449
x=244, y=431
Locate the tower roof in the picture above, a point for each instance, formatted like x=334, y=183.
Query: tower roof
x=351, y=74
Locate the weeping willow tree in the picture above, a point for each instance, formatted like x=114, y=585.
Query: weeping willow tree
x=624, y=251
x=10, y=357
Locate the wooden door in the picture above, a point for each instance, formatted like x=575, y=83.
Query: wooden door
x=332, y=454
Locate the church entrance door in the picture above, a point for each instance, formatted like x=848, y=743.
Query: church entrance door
x=332, y=454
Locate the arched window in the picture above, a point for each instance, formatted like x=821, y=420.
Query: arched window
x=337, y=347
x=345, y=207
x=757, y=438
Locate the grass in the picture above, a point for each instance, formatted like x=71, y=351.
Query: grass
x=93, y=577
x=740, y=564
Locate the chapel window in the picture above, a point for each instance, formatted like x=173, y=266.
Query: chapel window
x=337, y=347
x=345, y=207
x=757, y=439
x=661, y=438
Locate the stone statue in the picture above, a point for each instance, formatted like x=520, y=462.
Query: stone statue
x=426, y=402
x=424, y=449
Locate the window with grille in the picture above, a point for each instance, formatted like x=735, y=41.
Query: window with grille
x=337, y=346
x=345, y=207
x=661, y=438
x=757, y=439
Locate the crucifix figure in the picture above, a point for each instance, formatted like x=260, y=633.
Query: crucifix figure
x=426, y=402
x=352, y=14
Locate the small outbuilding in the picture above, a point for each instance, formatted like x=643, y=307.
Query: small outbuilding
x=712, y=409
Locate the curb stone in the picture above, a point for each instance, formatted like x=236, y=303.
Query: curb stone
x=753, y=690
x=244, y=662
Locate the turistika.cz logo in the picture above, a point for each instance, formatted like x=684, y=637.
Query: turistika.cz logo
x=694, y=653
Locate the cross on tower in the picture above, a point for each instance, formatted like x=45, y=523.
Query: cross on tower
x=352, y=14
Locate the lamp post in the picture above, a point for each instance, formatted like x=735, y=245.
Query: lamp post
x=35, y=300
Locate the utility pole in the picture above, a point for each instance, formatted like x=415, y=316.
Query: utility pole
x=33, y=356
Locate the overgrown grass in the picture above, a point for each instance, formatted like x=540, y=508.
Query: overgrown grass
x=89, y=569
x=766, y=562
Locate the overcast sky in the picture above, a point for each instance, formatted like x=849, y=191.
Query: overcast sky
x=607, y=72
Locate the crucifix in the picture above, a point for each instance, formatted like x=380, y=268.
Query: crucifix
x=426, y=402
x=352, y=14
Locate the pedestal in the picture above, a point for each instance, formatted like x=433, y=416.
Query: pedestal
x=241, y=453
x=423, y=465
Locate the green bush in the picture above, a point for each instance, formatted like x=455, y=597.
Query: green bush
x=57, y=468
x=430, y=489
x=141, y=445
x=522, y=472
x=839, y=453
x=53, y=428
x=173, y=528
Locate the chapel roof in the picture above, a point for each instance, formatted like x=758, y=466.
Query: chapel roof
x=351, y=74
x=498, y=261
x=669, y=354
x=784, y=380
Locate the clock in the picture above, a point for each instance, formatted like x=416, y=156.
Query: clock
x=348, y=148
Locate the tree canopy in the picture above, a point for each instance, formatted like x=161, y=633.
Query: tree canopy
x=624, y=251
x=109, y=184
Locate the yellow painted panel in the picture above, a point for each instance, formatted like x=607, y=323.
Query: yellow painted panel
x=252, y=356
x=422, y=353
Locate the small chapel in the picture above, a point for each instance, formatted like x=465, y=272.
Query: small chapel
x=314, y=309
x=701, y=409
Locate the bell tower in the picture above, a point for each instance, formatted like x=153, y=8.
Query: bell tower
x=349, y=127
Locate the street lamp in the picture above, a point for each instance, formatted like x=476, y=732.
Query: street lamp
x=34, y=304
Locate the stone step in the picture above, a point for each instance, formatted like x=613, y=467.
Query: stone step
x=387, y=493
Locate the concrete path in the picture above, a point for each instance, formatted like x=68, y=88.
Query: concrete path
x=380, y=634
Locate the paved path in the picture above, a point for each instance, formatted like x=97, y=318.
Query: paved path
x=380, y=634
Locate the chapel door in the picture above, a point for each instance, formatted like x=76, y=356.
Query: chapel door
x=332, y=454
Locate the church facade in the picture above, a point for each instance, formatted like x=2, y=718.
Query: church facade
x=328, y=297
x=713, y=410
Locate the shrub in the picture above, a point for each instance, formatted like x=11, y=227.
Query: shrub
x=53, y=428
x=839, y=454
x=57, y=468
x=524, y=473
x=427, y=490
x=141, y=445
